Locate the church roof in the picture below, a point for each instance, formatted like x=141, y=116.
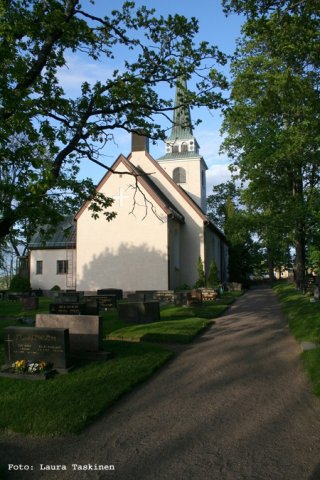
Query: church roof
x=158, y=193
x=182, y=126
x=177, y=155
x=64, y=236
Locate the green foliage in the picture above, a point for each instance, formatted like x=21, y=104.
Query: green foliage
x=304, y=322
x=55, y=288
x=45, y=134
x=217, y=202
x=201, y=282
x=213, y=278
x=20, y=284
x=272, y=126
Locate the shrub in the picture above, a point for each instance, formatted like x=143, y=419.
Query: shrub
x=201, y=282
x=213, y=278
x=20, y=284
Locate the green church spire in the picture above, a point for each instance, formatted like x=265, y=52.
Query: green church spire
x=182, y=127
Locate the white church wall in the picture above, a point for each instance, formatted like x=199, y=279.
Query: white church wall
x=195, y=183
x=130, y=252
x=192, y=232
x=49, y=276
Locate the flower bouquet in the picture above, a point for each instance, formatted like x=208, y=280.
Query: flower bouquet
x=28, y=367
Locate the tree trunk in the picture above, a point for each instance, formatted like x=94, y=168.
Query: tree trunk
x=270, y=266
x=300, y=238
x=300, y=263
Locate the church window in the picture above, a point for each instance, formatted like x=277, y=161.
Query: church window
x=184, y=147
x=175, y=149
x=62, y=266
x=179, y=175
x=39, y=267
x=203, y=177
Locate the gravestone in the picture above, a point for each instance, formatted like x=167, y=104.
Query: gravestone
x=50, y=345
x=102, y=302
x=135, y=297
x=67, y=308
x=139, y=312
x=165, y=296
x=194, y=297
x=90, y=306
x=30, y=303
x=85, y=331
x=107, y=301
x=111, y=291
x=68, y=297
x=316, y=293
x=146, y=295
x=209, y=294
x=181, y=298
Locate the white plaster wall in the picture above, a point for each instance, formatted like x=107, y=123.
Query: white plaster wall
x=194, y=185
x=130, y=252
x=192, y=232
x=49, y=277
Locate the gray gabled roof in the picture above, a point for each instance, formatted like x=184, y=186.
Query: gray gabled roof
x=64, y=236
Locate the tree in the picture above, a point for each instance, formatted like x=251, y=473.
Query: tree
x=213, y=277
x=217, y=202
x=272, y=124
x=201, y=282
x=44, y=134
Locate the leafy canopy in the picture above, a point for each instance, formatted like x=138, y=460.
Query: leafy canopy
x=45, y=133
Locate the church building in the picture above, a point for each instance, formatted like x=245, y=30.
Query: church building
x=159, y=232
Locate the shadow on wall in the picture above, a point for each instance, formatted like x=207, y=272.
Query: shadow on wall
x=130, y=268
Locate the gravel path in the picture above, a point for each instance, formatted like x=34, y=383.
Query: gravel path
x=233, y=405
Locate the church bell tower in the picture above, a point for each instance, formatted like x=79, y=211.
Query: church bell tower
x=182, y=160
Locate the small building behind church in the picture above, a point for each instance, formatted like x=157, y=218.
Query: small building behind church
x=160, y=230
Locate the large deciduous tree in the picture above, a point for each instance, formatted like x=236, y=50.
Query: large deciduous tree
x=44, y=133
x=273, y=122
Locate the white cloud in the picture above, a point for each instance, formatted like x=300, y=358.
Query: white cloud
x=217, y=174
x=78, y=70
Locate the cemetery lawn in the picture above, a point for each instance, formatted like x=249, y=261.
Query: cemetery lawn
x=177, y=324
x=304, y=322
x=13, y=309
x=68, y=403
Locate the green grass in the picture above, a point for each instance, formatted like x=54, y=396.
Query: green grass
x=178, y=331
x=303, y=316
x=177, y=324
x=304, y=323
x=68, y=403
x=14, y=309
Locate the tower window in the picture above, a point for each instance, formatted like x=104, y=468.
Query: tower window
x=184, y=147
x=179, y=175
x=175, y=149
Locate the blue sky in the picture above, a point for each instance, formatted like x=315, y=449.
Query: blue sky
x=215, y=28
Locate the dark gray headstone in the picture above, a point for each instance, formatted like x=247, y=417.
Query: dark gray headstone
x=85, y=331
x=91, y=306
x=30, y=303
x=111, y=291
x=68, y=297
x=37, y=344
x=66, y=308
x=139, y=312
